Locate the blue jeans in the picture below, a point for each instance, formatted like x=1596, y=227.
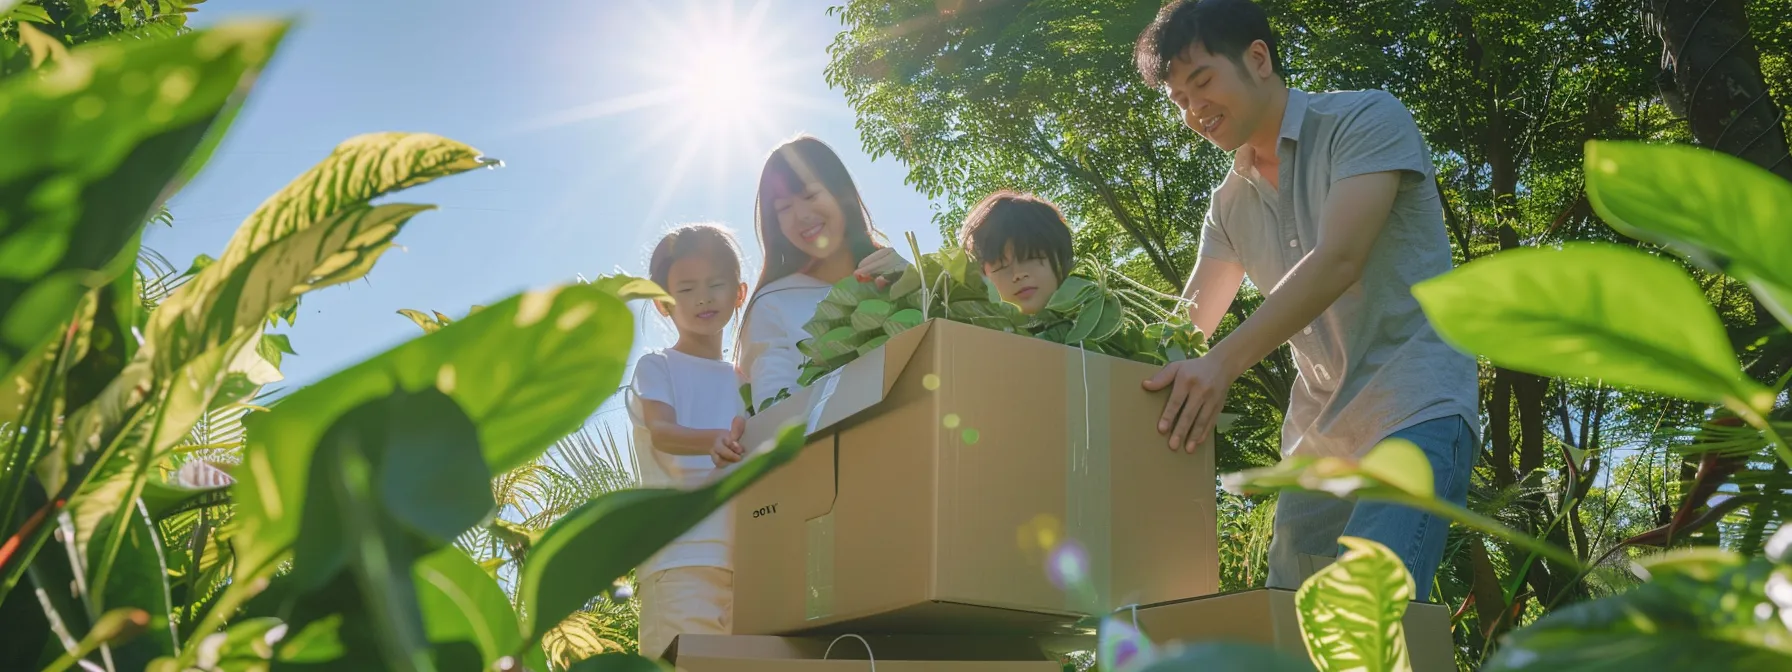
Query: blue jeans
x=1309, y=523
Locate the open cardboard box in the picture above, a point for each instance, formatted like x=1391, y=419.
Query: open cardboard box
x=936, y=467
x=718, y=653
x=1268, y=616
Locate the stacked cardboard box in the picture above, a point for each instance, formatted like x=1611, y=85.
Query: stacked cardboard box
x=968, y=482
x=936, y=468
x=1268, y=617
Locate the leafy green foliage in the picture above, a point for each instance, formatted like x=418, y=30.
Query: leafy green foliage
x=1037, y=96
x=1351, y=611
x=91, y=158
x=857, y=317
x=584, y=552
x=1394, y=470
x=1679, y=620
x=1721, y=212
x=527, y=370
x=1592, y=311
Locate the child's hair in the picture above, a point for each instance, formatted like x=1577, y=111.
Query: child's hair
x=690, y=240
x=1034, y=225
x=781, y=178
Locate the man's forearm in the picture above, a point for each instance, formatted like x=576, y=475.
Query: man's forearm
x=1311, y=287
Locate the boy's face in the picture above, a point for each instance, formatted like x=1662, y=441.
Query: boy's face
x=1028, y=283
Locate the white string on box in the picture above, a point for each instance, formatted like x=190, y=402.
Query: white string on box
x=868, y=653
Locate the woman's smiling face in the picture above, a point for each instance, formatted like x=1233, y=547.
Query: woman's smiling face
x=811, y=219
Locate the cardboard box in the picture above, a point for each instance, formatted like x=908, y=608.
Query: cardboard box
x=934, y=463
x=717, y=653
x=1267, y=616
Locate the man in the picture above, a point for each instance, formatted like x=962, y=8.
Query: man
x=1331, y=208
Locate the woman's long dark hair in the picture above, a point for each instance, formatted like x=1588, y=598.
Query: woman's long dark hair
x=781, y=177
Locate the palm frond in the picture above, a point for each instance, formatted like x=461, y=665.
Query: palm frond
x=157, y=278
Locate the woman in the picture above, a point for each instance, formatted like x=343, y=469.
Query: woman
x=815, y=231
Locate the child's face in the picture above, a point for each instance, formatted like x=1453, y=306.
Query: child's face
x=812, y=220
x=707, y=293
x=1028, y=283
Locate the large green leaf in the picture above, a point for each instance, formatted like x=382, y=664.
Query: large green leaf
x=629, y=288
x=1351, y=611
x=1394, y=470
x=358, y=170
x=314, y=233
x=461, y=603
x=93, y=148
x=1720, y=211
x=581, y=555
x=433, y=477
x=1591, y=310
x=428, y=477
x=1675, y=621
x=107, y=499
x=527, y=371
x=347, y=528
x=138, y=578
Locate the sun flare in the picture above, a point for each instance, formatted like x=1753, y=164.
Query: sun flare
x=714, y=83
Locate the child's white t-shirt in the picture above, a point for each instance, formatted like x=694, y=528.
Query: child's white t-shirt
x=705, y=394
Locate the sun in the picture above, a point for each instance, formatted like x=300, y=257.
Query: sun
x=714, y=82
x=722, y=88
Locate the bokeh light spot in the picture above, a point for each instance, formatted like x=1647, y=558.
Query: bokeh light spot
x=931, y=382
x=951, y=421
x=1069, y=565
x=971, y=436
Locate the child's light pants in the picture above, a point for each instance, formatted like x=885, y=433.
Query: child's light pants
x=684, y=601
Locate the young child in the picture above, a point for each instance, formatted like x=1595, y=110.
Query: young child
x=1023, y=244
x=685, y=404
x=815, y=232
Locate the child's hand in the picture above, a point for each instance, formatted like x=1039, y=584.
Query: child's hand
x=728, y=449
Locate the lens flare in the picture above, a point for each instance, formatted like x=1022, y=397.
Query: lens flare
x=931, y=382
x=1122, y=648
x=1069, y=565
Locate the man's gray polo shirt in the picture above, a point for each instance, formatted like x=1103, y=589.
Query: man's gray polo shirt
x=1371, y=364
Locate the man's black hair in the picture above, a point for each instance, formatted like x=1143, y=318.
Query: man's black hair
x=1223, y=27
x=1034, y=225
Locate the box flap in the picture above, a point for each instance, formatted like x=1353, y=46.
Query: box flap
x=862, y=383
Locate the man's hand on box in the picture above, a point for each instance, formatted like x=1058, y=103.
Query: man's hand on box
x=727, y=449
x=1197, y=393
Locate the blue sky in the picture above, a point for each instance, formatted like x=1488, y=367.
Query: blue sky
x=579, y=194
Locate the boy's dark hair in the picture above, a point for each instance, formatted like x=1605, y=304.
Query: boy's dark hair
x=1223, y=27
x=691, y=240
x=1034, y=225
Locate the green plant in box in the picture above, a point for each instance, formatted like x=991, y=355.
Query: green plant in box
x=1100, y=313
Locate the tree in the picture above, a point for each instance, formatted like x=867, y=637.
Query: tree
x=972, y=95
x=1043, y=96
x=1711, y=74
x=33, y=31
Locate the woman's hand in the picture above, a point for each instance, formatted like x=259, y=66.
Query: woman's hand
x=880, y=264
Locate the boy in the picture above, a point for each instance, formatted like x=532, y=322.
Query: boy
x=1023, y=245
